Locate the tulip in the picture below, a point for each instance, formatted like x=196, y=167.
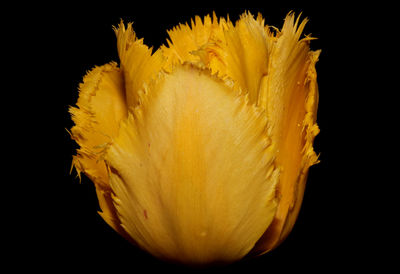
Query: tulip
x=199, y=151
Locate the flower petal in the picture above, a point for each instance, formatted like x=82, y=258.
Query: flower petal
x=137, y=62
x=239, y=52
x=243, y=54
x=185, y=40
x=100, y=108
x=290, y=98
x=277, y=73
x=192, y=170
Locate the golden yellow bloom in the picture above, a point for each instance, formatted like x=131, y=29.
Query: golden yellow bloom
x=200, y=151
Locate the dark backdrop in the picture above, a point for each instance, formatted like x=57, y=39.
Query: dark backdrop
x=327, y=234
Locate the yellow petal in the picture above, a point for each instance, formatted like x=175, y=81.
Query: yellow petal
x=100, y=108
x=243, y=54
x=185, y=41
x=239, y=52
x=138, y=63
x=192, y=170
x=290, y=98
x=277, y=73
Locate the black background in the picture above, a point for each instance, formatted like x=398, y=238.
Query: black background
x=328, y=234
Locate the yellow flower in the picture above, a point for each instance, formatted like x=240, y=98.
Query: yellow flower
x=200, y=151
